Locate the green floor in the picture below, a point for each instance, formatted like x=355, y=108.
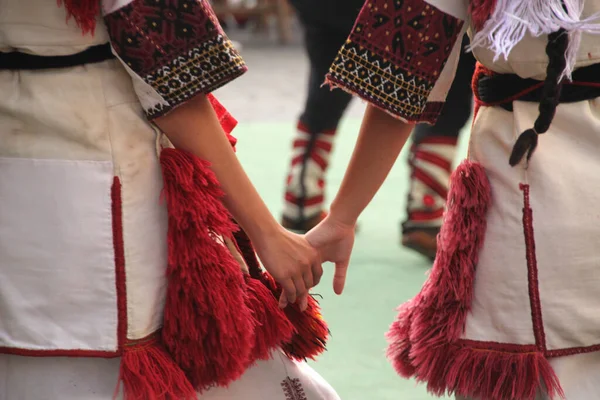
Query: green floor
x=382, y=274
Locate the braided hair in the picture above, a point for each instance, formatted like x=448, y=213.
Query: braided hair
x=550, y=97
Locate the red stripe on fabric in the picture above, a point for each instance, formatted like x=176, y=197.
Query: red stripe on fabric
x=433, y=159
x=526, y=348
x=319, y=144
x=300, y=143
x=302, y=128
x=323, y=145
x=532, y=271
x=119, y=249
x=319, y=160
x=298, y=160
x=425, y=215
x=572, y=351
x=501, y=347
x=430, y=182
x=290, y=198
x=60, y=353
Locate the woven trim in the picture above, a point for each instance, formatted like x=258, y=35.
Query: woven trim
x=203, y=69
x=376, y=80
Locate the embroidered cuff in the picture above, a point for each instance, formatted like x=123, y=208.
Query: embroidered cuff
x=376, y=80
x=173, y=50
x=395, y=56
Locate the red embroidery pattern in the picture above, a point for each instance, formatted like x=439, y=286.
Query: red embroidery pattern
x=176, y=46
x=293, y=390
x=532, y=271
x=395, y=54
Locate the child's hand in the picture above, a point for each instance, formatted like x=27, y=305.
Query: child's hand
x=334, y=240
x=292, y=262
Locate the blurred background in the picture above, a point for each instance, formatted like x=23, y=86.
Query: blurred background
x=267, y=101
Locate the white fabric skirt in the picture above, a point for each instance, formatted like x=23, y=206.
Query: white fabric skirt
x=54, y=378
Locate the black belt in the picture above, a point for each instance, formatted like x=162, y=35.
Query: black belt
x=21, y=61
x=503, y=89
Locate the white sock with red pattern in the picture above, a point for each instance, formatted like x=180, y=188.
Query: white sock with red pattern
x=305, y=189
x=431, y=166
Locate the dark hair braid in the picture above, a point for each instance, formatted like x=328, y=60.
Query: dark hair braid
x=556, y=50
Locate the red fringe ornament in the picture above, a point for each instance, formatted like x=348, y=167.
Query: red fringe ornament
x=149, y=373
x=84, y=12
x=272, y=328
x=425, y=338
x=310, y=330
x=207, y=322
x=480, y=11
x=492, y=374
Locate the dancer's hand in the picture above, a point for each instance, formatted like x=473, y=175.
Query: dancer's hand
x=334, y=240
x=292, y=262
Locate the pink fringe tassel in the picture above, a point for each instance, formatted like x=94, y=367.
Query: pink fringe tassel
x=424, y=339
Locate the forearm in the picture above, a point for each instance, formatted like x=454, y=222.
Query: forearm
x=379, y=143
x=194, y=127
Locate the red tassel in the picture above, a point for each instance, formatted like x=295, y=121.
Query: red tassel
x=149, y=373
x=425, y=338
x=272, y=327
x=310, y=330
x=492, y=375
x=84, y=12
x=207, y=324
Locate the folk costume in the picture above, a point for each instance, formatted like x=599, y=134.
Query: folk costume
x=118, y=261
x=510, y=308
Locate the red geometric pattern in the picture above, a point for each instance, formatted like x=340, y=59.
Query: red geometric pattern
x=175, y=46
x=148, y=34
x=395, y=54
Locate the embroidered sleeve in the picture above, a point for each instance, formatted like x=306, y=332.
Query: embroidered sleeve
x=173, y=50
x=395, y=56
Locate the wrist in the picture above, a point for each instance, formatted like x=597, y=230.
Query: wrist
x=261, y=231
x=341, y=216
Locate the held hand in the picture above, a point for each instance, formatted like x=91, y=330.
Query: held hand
x=292, y=262
x=334, y=241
